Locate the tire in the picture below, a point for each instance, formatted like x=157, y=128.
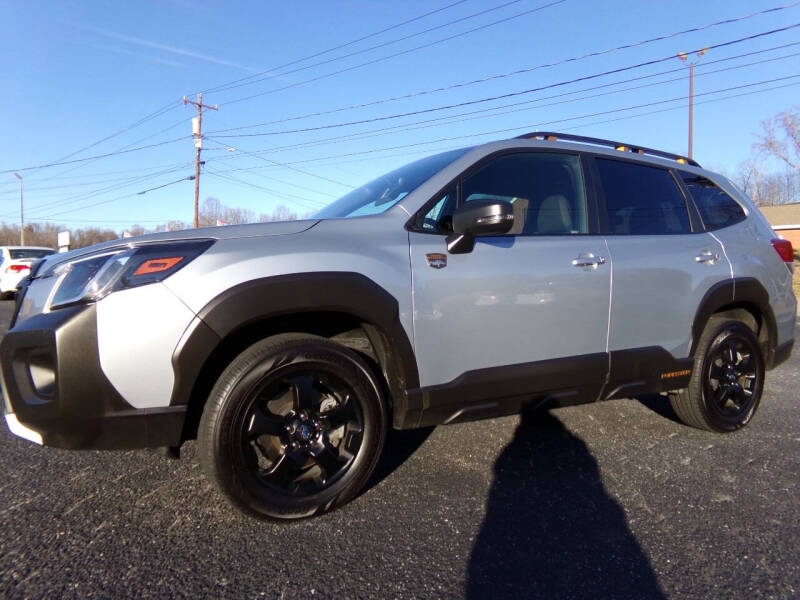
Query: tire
x=727, y=379
x=293, y=427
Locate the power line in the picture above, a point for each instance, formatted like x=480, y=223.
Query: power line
x=518, y=128
x=500, y=96
x=77, y=160
x=536, y=125
x=266, y=189
x=164, y=109
x=109, y=200
x=396, y=54
x=497, y=110
x=383, y=44
x=519, y=71
x=289, y=167
x=233, y=83
x=96, y=192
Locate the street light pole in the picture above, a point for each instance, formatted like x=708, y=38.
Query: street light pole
x=685, y=58
x=21, y=218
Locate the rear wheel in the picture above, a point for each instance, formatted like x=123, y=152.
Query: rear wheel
x=728, y=378
x=293, y=427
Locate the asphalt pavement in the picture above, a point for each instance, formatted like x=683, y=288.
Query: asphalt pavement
x=609, y=499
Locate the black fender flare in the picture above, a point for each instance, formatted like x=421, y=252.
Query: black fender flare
x=283, y=295
x=736, y=292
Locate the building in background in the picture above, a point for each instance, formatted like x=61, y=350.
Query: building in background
x=785, y=220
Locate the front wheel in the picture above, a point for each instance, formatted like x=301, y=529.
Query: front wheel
x=727, y=380
x=293, y=427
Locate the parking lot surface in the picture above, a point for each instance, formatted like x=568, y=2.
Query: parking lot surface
x=609, y=499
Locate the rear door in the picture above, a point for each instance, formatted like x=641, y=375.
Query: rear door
x=663, y=263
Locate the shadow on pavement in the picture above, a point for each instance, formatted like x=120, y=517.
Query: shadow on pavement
x=659, y=404
x=551, y=530
x=400, y=446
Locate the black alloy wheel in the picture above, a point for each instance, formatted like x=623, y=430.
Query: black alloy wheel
x=302, y=431
x=727, y=379
x=732, y=380
x=293, y=427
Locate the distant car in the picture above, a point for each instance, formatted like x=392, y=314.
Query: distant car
x=15, y=265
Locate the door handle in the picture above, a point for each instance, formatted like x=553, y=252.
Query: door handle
x=588, y=260
x=707, y=257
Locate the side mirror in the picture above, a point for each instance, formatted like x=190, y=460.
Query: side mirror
x=478, y=217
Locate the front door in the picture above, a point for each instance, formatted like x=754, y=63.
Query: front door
x=522, y=312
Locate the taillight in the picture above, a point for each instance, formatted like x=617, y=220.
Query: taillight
x=784, y=249
x=18, y=268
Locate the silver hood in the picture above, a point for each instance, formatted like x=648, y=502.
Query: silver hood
x=215, y=233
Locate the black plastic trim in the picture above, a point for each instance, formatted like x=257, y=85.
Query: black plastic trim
x=82, y=409
x=499, y=391
x=736, y=292
x=645, y=370
x=284, y=295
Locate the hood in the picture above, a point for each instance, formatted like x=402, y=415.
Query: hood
x=214, y=233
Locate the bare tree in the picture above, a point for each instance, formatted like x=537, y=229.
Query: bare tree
x=780, y=137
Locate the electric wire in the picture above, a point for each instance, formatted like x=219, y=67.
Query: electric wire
x=498, y=96
x=557, y=63
x=390, y=42
x=231, y=84
x=396, y=54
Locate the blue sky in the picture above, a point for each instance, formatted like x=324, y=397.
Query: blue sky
x=76, y=73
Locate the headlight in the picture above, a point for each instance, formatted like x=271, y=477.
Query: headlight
x=92, y=277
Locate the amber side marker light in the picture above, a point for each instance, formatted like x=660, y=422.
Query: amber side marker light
x=157, y=265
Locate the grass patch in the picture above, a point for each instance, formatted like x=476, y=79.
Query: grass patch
x=796, y=278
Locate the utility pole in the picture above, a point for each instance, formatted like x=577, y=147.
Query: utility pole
x=685, y=58
x=21, y=218
x=197, y=134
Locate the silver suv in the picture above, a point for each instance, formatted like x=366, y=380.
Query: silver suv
x=543, y=270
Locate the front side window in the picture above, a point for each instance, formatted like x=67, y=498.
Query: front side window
x=642, y=200
x=545, y=189
x=383, y=193
x=717, y=208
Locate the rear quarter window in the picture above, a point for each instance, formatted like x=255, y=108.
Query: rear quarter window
x=717, y=208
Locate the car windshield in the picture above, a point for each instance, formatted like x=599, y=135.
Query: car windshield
x=29, y=253
x=382, y=193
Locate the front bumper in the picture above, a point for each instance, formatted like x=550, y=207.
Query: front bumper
x=56, y=393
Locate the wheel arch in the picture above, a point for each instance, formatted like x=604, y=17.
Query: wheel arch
x=348, y=308
x=744, y=299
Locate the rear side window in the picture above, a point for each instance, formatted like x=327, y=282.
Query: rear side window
x=716, y=207
x=642, y=200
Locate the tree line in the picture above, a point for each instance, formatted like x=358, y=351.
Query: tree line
x=778, y=142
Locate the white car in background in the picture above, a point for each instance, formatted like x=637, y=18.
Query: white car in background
x=15, y=265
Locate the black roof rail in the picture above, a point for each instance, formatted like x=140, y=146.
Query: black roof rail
x=552, y=136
